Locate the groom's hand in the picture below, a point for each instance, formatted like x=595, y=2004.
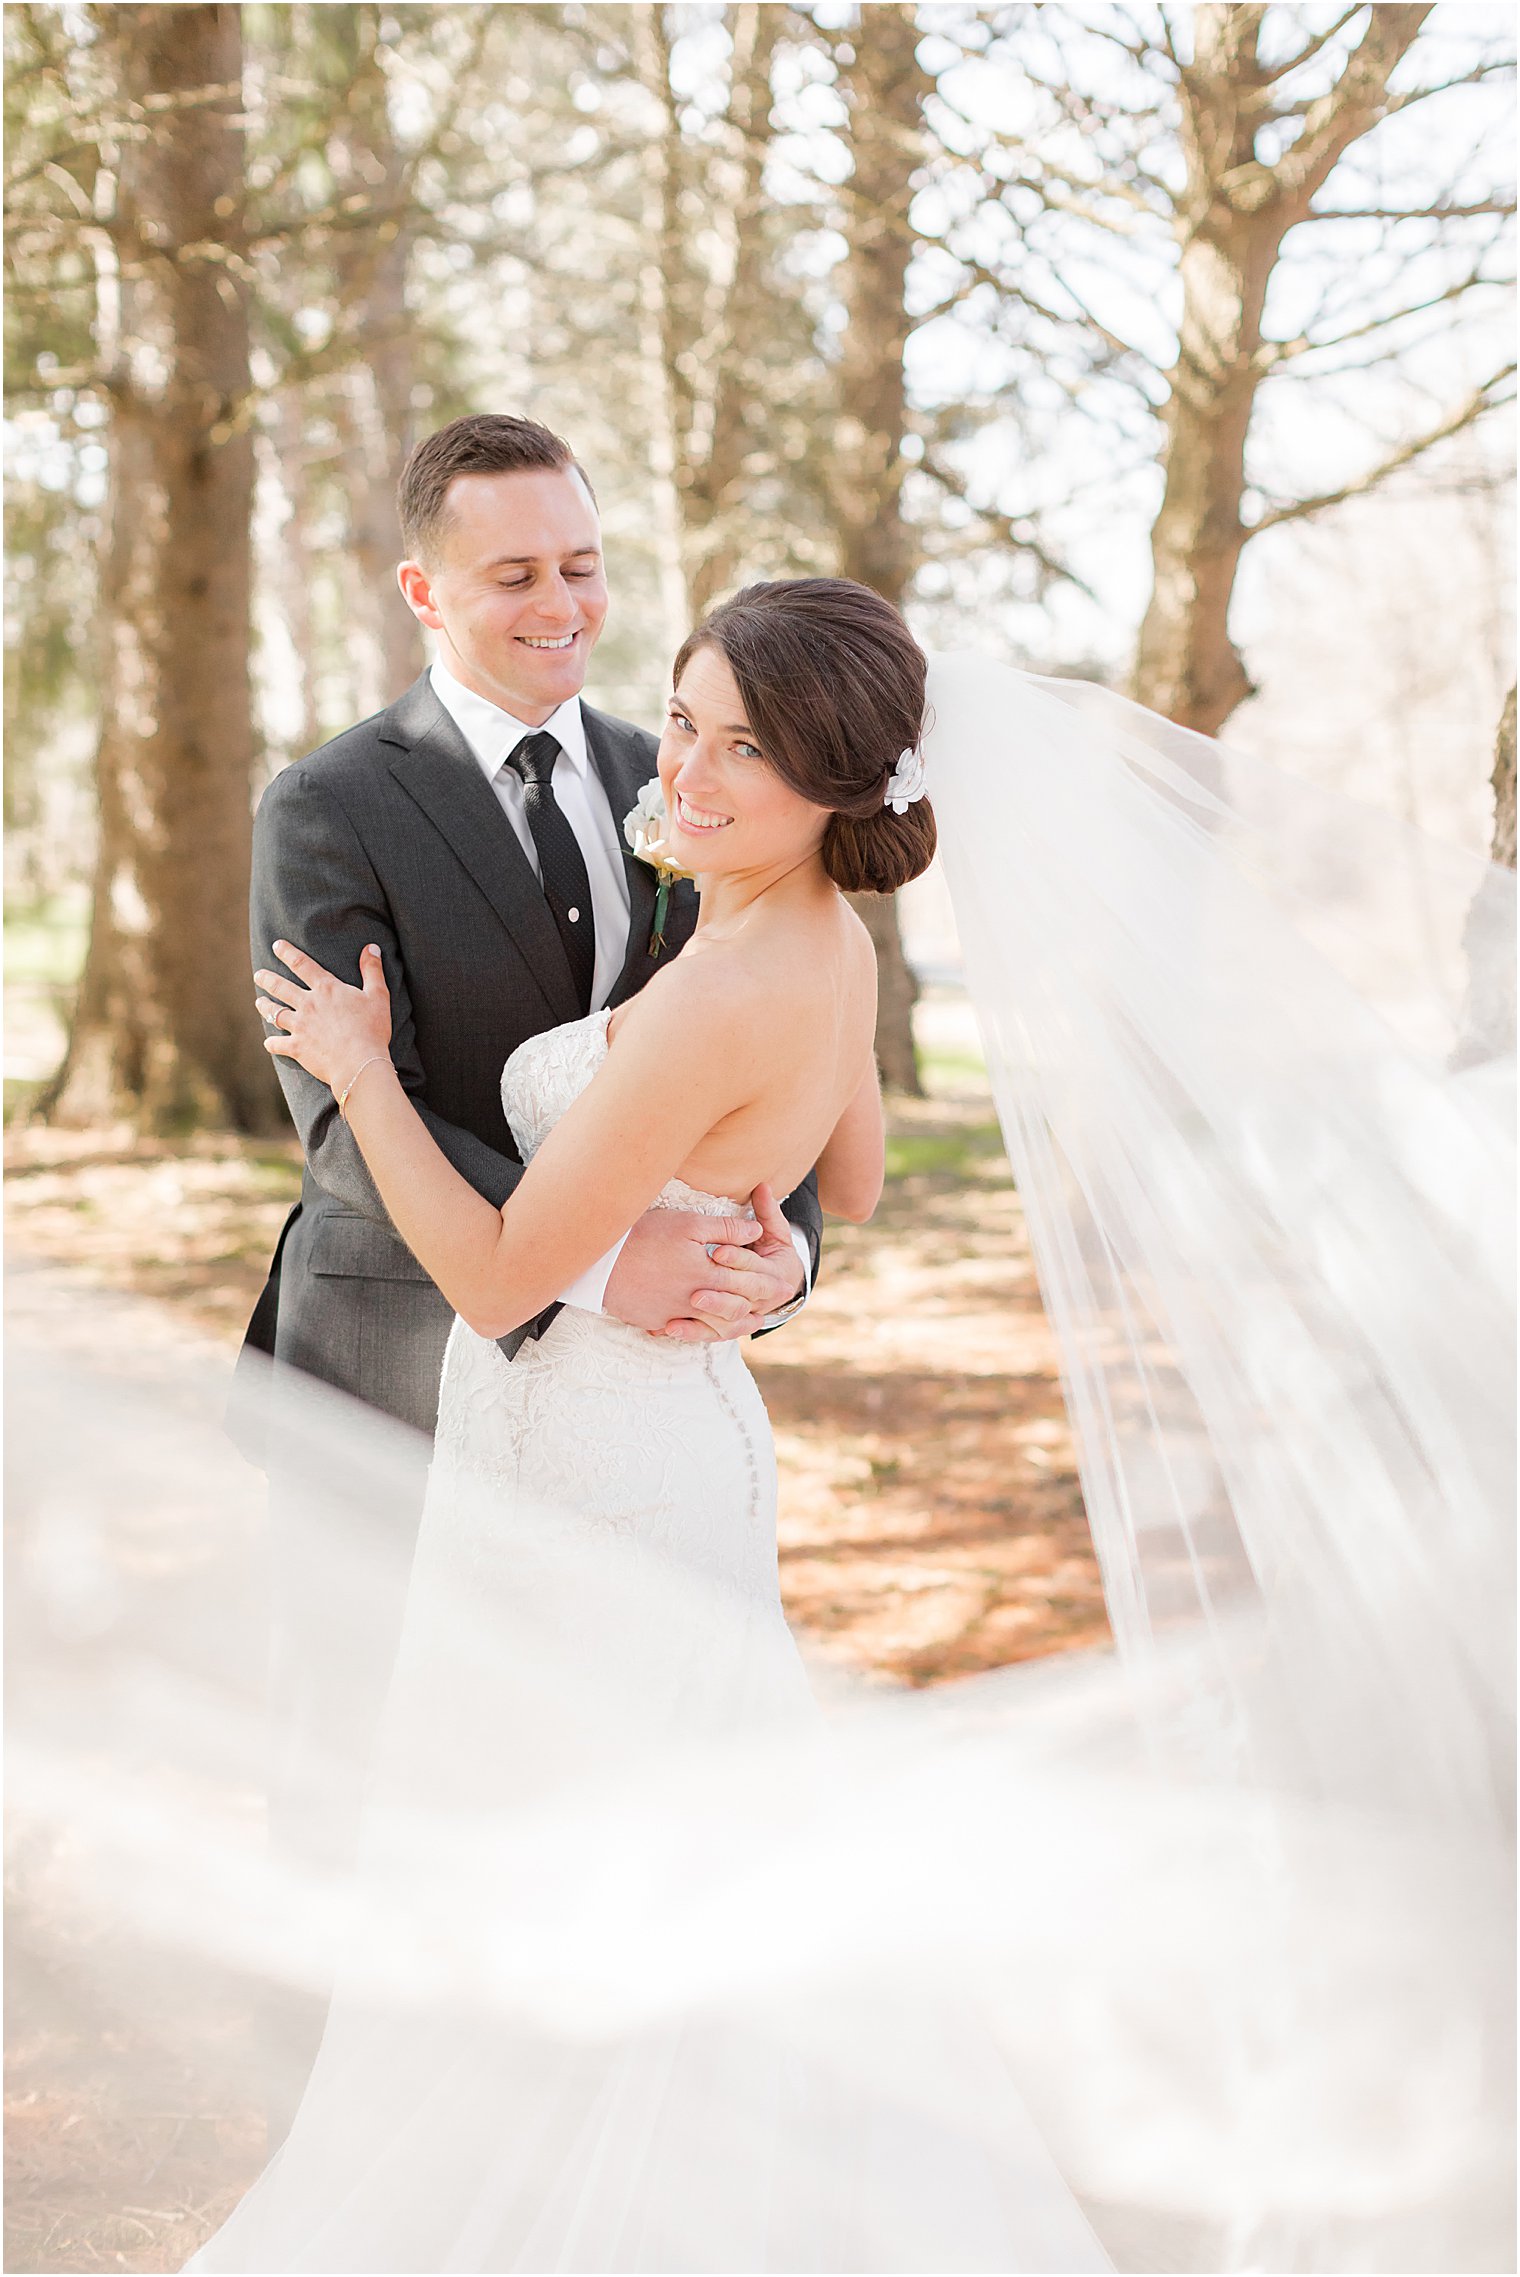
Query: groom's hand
x=700, y=1278
x=775, y=1252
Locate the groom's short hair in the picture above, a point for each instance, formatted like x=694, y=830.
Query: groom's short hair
x=485, y=442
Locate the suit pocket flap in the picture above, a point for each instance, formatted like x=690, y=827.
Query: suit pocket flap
x=359, y=1249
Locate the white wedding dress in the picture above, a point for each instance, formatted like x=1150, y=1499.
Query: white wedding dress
x=650, y=1964
x=702, y=2142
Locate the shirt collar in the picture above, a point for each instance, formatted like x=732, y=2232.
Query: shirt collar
x=492, y=733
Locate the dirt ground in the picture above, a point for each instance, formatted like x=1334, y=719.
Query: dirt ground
x=931, y=1525
x=931, y=1521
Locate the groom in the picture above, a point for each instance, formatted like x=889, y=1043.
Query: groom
x=474, y=831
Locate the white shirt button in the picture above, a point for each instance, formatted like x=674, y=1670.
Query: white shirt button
x=575, y=917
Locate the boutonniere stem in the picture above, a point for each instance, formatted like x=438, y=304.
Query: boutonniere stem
x=644, y=827
x=661, y=906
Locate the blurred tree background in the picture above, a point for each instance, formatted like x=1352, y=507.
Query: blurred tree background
x=1164, y=344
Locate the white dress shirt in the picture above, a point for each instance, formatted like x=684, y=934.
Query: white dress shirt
x=493, y=735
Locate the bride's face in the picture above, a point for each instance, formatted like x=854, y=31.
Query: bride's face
x=728, y=809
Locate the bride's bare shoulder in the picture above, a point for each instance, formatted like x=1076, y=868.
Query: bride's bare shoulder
x=844, y=958
x=708, y=993
x=812, y=953
x=863, y=948
x=732, y=993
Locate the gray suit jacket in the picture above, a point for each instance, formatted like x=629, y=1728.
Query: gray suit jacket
x=392, y=834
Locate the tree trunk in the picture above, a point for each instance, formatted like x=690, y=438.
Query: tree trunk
x=375, y=393
x=294, y=561
x=727, y=390
x=1488, y=938
x=1187, y=666
x=165, y=1034
x=884, y=87
x=1231, y=216
x=1503, y=779
x=386, y=650
x=660, y=343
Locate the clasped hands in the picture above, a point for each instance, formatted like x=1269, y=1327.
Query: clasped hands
x=693, y=1278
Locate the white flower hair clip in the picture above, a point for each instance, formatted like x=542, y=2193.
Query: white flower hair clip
x=906, y=782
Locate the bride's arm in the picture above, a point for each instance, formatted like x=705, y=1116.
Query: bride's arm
x=684, y=1064
x=852, y=1164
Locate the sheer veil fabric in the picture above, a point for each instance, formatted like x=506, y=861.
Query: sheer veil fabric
x=1209, y=1935
x=1252, y=1049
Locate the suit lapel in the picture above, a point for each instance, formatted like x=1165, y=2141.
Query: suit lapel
x=680, y=924
x=623, y=766
x=436, y=768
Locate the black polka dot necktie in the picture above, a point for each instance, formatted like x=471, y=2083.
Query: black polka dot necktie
x=567, y=889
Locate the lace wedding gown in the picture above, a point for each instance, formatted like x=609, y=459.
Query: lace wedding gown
x=454, y=2139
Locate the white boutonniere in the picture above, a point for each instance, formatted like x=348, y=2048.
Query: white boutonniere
x=644, y=827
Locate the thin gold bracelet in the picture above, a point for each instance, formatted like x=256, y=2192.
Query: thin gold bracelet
x=353, y=1079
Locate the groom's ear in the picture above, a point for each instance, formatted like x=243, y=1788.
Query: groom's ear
x=417, y=592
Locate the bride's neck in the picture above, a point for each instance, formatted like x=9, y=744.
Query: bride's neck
x=731, y=897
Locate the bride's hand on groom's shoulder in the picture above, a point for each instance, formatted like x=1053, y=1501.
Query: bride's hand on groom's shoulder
x=323, y=1023
x=702, y=1279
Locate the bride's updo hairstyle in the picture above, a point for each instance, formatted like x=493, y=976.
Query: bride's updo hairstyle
x=833, y=686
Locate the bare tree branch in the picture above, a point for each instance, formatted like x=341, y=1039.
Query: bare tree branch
x=18, y=176
x=1334, y=120
x=1003, y=165
x=1483, y=399
x=1312, y=47
x=1481, y=72
x=1015, y=530
x=1274, y=353
x=1501, y=208
x=978, y=273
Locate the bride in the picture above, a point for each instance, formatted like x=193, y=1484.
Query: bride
x=1192, y=1098
x=790, y=774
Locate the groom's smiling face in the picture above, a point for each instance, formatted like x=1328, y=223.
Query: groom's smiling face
x=516, y=591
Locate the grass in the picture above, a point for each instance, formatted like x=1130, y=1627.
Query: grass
x=965, y=1153
x=941, y=1065
x=45, y=941
x=20, y=1091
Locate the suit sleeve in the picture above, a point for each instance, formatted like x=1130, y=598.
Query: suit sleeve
x=314, y=886
x=801, y=1210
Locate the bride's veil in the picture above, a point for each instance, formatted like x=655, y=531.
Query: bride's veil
x=1243, y=1968
x=1252, y=1049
